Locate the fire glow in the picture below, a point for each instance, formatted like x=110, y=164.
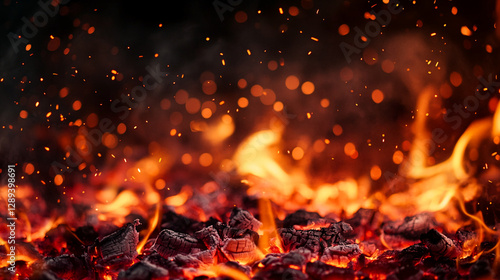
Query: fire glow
x=263, y=176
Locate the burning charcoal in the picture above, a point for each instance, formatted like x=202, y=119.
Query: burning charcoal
x=335, y=233
x=170, y=243
x=242, y=219
x=369, y=247
x=225, y=231
x=179, y=223
x=292, y=239
x=280, y=273
x=413, y=254
x=384, y=263
x=314, y=240
x=118, y=248
x=293, y=259
x=85, y=234
x=210, y=237
x=319, y=270
x=143, y=270
x=234, y=265
x=28, y=250
x=240, y=249
x=296, y=258
x=362, y=217
x=186, y=261
x=43, y=275
x=206, y=257
x=467, y=240
x=399, y=233
x=301, y=218
x=439, y=244
x=173, y=269
x=66, y=266
x=442, y=268
x=341, y=254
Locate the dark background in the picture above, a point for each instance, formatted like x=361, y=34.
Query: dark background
x=132, y=28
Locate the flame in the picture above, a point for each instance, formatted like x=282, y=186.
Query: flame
x=434, y=187
x=41, y=232
x=152, y=226
x=254, y=156
x=120, y=204
x=180, y=198
x=219, y=131
x=222, y=270
x=268, y=230
x=267, y=175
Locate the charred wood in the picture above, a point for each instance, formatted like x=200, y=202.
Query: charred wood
x=67, y=266
x=242, y=219
x=280, y=273
x=314, y=240
x=301, y=218
x=118, y=248
x=143, y=270
x=439, y=244
x=170, y=243
x=319, y=270
x=340, y=254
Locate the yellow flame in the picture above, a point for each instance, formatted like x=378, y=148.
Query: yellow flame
x=254, y=157
x=222, y=270
x=268, y=228
x=124, y=200
x=152, y=226
x=219, y=131
x=180, y=198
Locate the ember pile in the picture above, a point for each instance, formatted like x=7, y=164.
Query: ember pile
x=304, y=246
